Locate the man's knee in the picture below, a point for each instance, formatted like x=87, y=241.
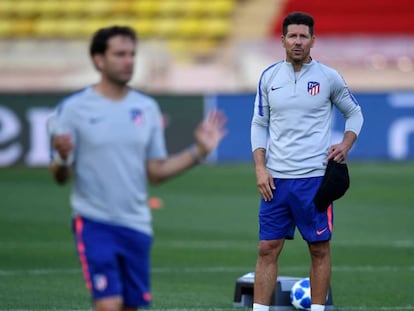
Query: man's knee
x=319, y=250
x=109, y=304
x=270, y=248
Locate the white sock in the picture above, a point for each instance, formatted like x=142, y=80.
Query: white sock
x=259, y=307
x=315, y=307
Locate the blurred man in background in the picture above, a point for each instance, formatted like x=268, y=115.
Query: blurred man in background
x=110, y=137
x=290, y=136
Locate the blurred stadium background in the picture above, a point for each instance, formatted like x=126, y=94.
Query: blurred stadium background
x=193, y=46
x=199, y=53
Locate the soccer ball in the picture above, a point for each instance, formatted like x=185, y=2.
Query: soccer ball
x=300, y=294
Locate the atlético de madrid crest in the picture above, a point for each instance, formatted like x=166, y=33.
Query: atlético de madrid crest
x=137, y=116
x=313, y=87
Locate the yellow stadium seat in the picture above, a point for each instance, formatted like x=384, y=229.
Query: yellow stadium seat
x=197, y=47
x=5, y=28
x=22, y=27
x=46, y=28
x=92, y=25
x=217, y=27
x=7, y=7
x=145, y=7
x=26, y=8
x=194, y=7
x=171, y=7
x=189, y=27
x=220, y=7
x=204, y=27
x=165, y=27
x=121, y=7
x=121, y=20
x=97, y=8
x=72, y=8
x=70, y=28
x=48, y=8
x=62, y=28
x=144, y=27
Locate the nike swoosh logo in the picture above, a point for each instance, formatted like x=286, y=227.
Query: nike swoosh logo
x=319, y=232
x=276, y=88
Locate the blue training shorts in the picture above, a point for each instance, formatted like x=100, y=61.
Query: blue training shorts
x=292, y=206
x=115, y=261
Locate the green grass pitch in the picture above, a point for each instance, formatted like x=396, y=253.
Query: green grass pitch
x=206, y=237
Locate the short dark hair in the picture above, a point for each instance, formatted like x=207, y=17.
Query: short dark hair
x=298, y=18
x=99, y=43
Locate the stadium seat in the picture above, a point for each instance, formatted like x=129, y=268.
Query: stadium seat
x=50, y=8
x=45, y=28
x=5, y=28
x=7, y=8
x=144, y=27
x=22, y=28
x=98, y=8
x=121, y=7
x=195, y=47
x=194, y=8
x=189, y=27
x=144, y=8
x=72, y=8
x=70, y=28
x=25, y=8
x=120, y=21
x=171, y=7
x=219, y=7
x=216, y=28
x=92, y=25
x=165, y=27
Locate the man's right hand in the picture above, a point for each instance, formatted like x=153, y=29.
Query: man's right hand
x=265, y=183
x=63, y=145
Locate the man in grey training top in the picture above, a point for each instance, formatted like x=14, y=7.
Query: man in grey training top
x=111, y=138
x=290, y=137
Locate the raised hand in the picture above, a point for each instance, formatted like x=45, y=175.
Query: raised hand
x=210, y=132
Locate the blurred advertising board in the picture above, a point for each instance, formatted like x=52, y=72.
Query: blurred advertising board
x=388, y=132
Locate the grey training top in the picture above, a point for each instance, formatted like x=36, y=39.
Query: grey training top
x=113, y=140
x=293, y=116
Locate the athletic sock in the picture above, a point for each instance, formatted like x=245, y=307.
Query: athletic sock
x=315, y=307
x=259, y=307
